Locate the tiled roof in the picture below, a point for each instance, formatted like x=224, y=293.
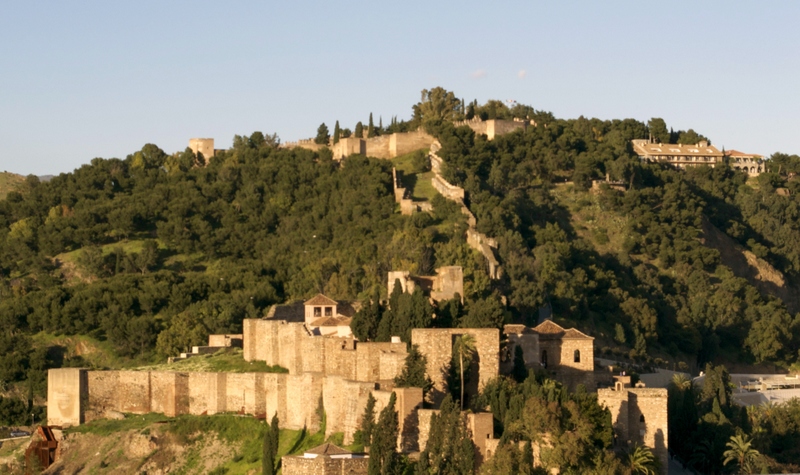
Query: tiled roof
x=327, y=449
x=331, y=322
x=293, y=312
x=320, y=300
x=549, y=327
x=573, y=333
x=647, y=149
x=738, y=154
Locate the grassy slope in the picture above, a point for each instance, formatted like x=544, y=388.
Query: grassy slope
x=419, y=183
x=227, y=444
x=9, y=182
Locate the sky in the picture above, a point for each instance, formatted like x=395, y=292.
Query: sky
x=86, y=79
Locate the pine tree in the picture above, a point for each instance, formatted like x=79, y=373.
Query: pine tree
x=336, y=132
x=383, y=458
x=359, y=133
x=414, y=372
x=370, y=127
x=322, y=135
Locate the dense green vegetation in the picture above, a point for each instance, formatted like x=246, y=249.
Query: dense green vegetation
x=149, y=254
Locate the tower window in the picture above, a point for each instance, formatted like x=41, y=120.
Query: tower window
x=641, y=419
x=577, y=356
x=544, y=358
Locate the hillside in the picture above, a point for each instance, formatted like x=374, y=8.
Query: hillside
x=222, y=444
x=123, y=263
x=9, y=182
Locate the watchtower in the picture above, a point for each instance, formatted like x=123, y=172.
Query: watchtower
x=202, y=146
x=639, y=416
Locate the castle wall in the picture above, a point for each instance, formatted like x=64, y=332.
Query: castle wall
x=348, y=146
x=378, y=147
x=296, y=465
x=202, y=146
x=65, y=404
x=481, y=426
x=403, y=143
x=639, y=416
x=436, y=345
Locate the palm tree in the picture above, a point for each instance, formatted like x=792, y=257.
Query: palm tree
x=640, y=460
x=465, y=348
x=741, y=452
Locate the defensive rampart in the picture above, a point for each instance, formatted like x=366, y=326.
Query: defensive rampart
x=436, y=344
x=76, y=396
x=289, y=345
x=639, y=416
x=480, y=242
x=493, y=127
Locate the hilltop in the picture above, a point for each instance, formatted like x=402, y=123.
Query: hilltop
x=125, y=262
x=9, y=182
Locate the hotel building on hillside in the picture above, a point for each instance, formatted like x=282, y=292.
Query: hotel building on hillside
x=680, y=156
x=750, y=163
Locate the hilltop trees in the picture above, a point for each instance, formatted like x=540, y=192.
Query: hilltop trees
x=437, y=104
x=323, y=136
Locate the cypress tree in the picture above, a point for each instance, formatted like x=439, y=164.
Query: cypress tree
x=383, y=458
x=365, y=322
x=359, y=133
x=368, y=421
x=520, y=371
x=450, y=449
x=370, y=127
x=270, y=448
x=336, y=132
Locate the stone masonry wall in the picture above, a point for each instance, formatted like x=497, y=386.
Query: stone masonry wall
x=292, y=347
x=403, y=143
x=296, y=465
x=639, y=416
x=437, y=346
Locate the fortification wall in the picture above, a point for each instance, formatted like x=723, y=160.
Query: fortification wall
x=446, y=189
x=348, y=146
x=639, y=416
x=289, y=345
x=202, y=146
x=225, y=341
x=485, y=245
x=403, y=143
x=307, y=144
x=296, y=465
x=66, y=403
x=437, y=346
x=378, y=147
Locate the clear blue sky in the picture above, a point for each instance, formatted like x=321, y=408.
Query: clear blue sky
x=85, y=79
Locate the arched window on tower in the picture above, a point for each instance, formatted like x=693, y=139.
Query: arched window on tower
x=544, y=358
x=641, y=419
x=577, y=356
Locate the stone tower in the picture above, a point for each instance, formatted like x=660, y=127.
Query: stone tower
x=639, y=416
x=204, y=146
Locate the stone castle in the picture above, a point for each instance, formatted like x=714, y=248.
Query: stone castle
x=335, y=375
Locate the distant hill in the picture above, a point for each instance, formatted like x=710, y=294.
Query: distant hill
x=9, y=182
